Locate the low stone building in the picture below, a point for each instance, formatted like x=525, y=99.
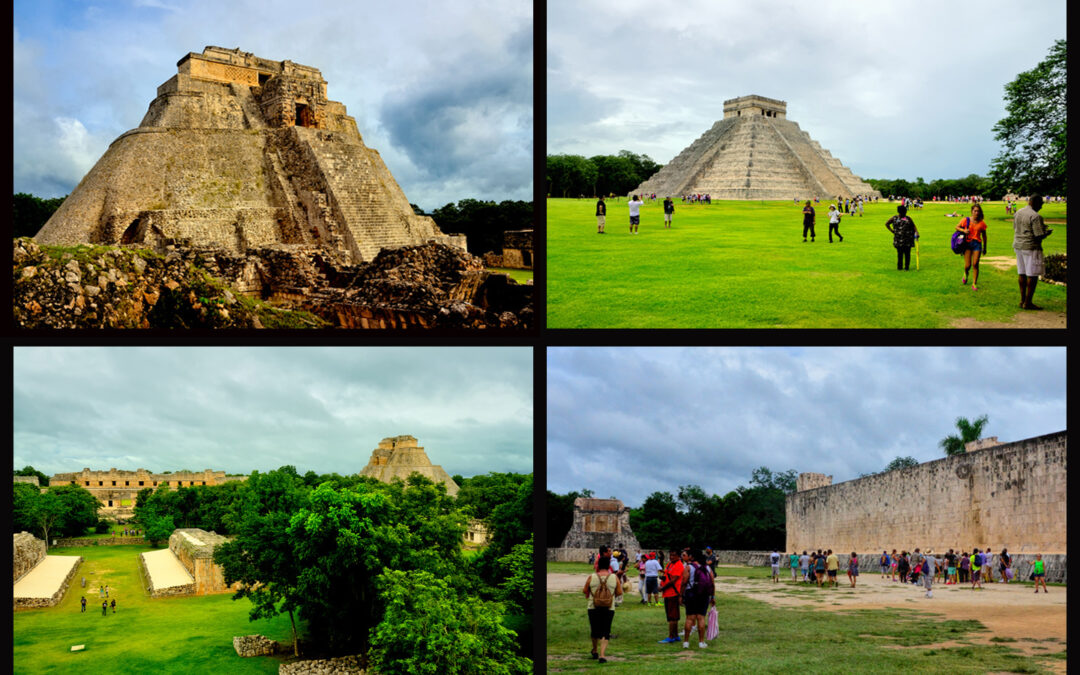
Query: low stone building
x=29, y=551
x=194, y=548
x=116, y=489
x=400, y=456
x=40, y=580
x=517, y=251
x=597, y=522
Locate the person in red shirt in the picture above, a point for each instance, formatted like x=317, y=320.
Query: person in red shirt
x=671, y=589
x=974, y=229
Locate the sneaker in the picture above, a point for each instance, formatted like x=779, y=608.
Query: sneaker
x=975, y=288
x=963, y=281
x=601, y=661
x=667, y=641
x=686, y=645
x=595, y=655
x=702, y=645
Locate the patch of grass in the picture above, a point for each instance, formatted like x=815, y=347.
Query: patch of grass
x=184, y=634
x=756, y=637
x=520, y=276
x=743, y=265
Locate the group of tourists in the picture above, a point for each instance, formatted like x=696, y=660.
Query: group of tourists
x=687, y=581
x=104, y=605
x=696, y=199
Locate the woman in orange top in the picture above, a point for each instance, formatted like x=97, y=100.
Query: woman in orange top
x=974, y=229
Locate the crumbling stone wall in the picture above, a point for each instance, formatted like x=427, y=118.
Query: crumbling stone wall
x=29, y=551
x=1011, y=495
x=194, y=548
x=341, y=664
x=36, y=603
x=254, y=645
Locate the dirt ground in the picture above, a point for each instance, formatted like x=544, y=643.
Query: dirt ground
x=1008, y=611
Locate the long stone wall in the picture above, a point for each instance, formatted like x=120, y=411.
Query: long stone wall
x=29, y=551
x=1011, y=495
x=106, y=541
x=37, y=603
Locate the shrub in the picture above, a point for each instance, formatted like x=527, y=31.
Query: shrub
x=102, y=526
x=1055, y=268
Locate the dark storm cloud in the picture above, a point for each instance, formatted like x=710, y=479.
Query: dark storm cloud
x=629, y=422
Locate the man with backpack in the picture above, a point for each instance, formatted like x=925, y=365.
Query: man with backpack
x=697, y=593
x=976, y=569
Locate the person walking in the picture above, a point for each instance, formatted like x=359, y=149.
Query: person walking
x=929, y=567
x=601, y=214
x=853, y=569
x=1005, y=565
x=808, y=222
x=976, y=568
x=671, y=590
x=804, y=566
x=793, y=562
x=104, y=607
x=635, y=214
x=774, y=561
x=904, y=234
x=974, y=229
x=1038, y=573
x=642, y=557
x=819, y=569
x=669, y=210
x=113, y=605
x=83, y=603
x=883, y=563
x=834, y=222
x=893, y=564
x=1028, y=234
x=832, y=564
x=601, y=589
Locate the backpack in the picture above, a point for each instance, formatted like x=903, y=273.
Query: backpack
x=603, y=597
x=957, y=242
x=697, y=584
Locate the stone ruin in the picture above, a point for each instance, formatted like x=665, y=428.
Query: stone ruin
x=756, y=152
x=517, y=251
x=116, y=489
x=53, y=573
x=255, y=645
x=598, y=522
x=29, y=551
x=239, y=152
x=399, y=456
x=194, y=548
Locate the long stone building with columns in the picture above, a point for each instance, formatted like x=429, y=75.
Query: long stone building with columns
x=116, y=489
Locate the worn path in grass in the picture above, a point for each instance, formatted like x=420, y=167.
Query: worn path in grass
x=1009, y=611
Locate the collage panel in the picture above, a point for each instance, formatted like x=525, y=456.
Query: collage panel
x=763, y=509
x=291, y=510
x=250, y=165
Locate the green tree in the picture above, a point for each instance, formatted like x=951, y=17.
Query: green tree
x=658, y=523
x=902, y=463
x=156, y=527
x=80, y=509
x=30, y=214
x=23, y=499
x=431, y=628
x=480, y=495
x=46, y=512
x=969, y=431
x=43, y=480
x=1033, y=159
x=783, y=481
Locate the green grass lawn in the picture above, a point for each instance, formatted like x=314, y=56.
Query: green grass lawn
x=758, y=638
x=168, y=635
x=520, y=276
x=743, y=265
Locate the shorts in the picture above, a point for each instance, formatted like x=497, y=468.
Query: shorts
x=1040, y=575
x=832, y=573
x=667, y=217
x=634, y=220
x=776, y=570
x=671, y=608
x=853, y=571
x=652, y=585
x=1029, y=263
x=973, y=245
x=952, y=571
x=697, y=606
x=974, y=575
x=600, y=220
x=600, y=623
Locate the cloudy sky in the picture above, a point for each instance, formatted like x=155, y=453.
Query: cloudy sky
x=238, y=409
x=627, y=422
x=893, y=89
x=442, y=90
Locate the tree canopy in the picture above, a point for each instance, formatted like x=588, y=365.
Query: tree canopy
x=575, y=175
x=30, y=213
x=43, y=480
x=969, y=431
x=483, y=222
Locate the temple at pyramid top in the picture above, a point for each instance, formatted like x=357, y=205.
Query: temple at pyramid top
x=237, y=152
x=400, y=456
x=756, y=152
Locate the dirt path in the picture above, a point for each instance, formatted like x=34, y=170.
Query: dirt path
x=1010, y=612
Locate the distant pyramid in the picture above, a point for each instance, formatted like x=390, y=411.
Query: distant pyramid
x=399, y=456
x=755, y=152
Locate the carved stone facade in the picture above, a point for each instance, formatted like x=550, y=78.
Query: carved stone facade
x=239, y=152
x=116, y=489
x=194, y=548
x=598, y=522
x=399, y=456
x=756, y=152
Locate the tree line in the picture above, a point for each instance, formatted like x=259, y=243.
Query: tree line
x=575, y=175
x=747, y=518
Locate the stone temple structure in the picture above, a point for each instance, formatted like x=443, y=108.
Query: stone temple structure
x=598, y=522
x=116, y=490
x=399, y=456
x=756, y=152
x=239, y=152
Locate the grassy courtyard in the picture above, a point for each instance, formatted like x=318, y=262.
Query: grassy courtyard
x=168, y=635
x=744, y=265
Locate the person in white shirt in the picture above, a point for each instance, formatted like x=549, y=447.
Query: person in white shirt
x=635, y=214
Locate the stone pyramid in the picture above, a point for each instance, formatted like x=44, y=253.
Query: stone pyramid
x=755, y=152
x=238, y=152
x=399, y=456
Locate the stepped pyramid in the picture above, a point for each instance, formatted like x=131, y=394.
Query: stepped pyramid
x=399, y=456
x=755, y=152
x=238, y=152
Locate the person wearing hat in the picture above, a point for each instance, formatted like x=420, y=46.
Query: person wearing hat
x=652, y=579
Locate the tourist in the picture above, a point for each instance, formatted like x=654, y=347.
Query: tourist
x=671, y=590
x=804, y=566
x=635, y=214
x=1005, y=565
x=1038, y=573
x=860, y=207
x=1028, y=233
x=832, y=564
x=976, y=568
x=793, y=561
x=605, y=551
x=929, y=566
x=974, y=229
x=902, y=567
x=113, y=604
x=101, y=591
x=819, y=568
x=698, y=589
x=105, y=607
x=774, y=561
x=853, y=569
x=904, y=235
x=710, y=559
x=669, y=210
x=642, y=557
x=601, y=592
x=894, y=562
x=652, y=579
x=950, y=567
x=988, y=566
x=964, y=567
x=808, y=222
x=83, y=603
x=883, y=563
x=916, y=566
x=834, y=222
x=601, y=213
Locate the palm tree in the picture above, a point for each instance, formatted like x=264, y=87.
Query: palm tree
x=969, y=431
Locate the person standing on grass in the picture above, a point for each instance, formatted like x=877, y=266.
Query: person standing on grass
x=652, y=579
x=793, y=561
x=601, y=589
x=113, y=605
x=832, y=564
x=808, y=222
x=104, y=607
x=635, y=214
x=83, y=602
x=1038, y=570
x=974, y=229
x=853, y=569
x=804, y=566
x=642, y=557
x=601, y=214
x=1028, y=234
x=774, y=561
x=834, y=222
x=698, y=589
x=710, y=560
x=671, y=590
x=819, y=569
x=669, y=210
x=904, y=235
